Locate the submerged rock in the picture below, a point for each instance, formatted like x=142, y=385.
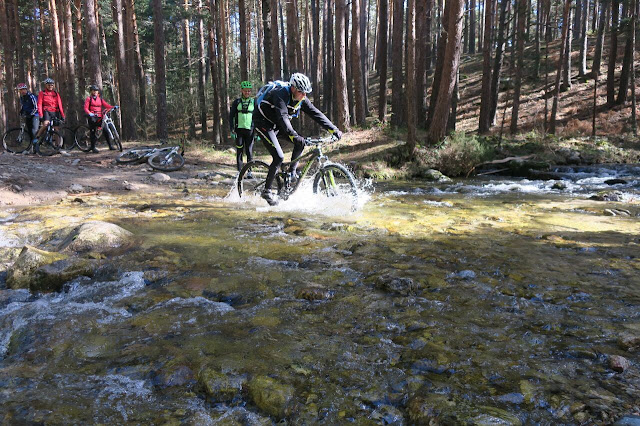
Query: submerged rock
x=402, y=285
x=220, y=387
x=30, y=259
x=97, y=237
x=270, y=396
x=630, y=420
x=312, y=293
x=618, y=363
x=423, y=409
x=177, y=376
x=52, y=277
x=608, y=196
x=629, y=342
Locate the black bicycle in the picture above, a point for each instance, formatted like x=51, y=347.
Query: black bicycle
x=51, y=141
x=17, y=139
x=108, y=129
x=330, y=179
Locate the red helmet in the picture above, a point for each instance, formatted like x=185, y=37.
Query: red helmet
x=21, y=86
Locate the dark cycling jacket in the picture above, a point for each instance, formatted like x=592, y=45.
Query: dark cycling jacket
x=29, y=104
x=279, y=107
x=95, y=105
x=49, y=100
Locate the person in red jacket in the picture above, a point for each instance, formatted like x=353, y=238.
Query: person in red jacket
x=49, y=106
x=94, y=107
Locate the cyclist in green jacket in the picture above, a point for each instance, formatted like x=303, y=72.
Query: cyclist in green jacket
x=241, y=122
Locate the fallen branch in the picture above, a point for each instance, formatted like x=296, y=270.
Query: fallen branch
x=502, y=161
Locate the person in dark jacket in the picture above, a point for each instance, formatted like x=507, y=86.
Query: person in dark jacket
x=241, y=122
x=273, y=115
x=29, y=109
x=49, y=105
x=94, y=107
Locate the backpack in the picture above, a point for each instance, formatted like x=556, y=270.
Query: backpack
x=264, y=90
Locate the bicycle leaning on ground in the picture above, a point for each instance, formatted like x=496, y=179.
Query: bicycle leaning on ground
x=331, y=179
x=108, y=129
x=166, y=159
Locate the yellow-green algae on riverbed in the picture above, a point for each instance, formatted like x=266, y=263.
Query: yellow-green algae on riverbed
x=503, y=309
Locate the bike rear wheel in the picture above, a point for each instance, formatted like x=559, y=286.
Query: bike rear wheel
x=83, y=138
x=133, y=155
x=16, y=141
x=335, y=181
x=68, y=138
x=115, y=141
x=252, y=178
x=166, y=161
x=49, y=144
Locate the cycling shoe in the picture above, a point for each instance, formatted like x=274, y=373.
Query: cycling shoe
x=269, y=198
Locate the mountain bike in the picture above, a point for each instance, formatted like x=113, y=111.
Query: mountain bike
x=332, y=180
x=167, y=159
x=108, y=129
x=17, y=139
x=50, y=142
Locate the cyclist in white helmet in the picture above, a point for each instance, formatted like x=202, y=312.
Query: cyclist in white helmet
x=273, y=115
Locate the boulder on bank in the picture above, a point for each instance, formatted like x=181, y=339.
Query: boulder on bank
x=30, y=259
x=97, y=237
x=52, y=277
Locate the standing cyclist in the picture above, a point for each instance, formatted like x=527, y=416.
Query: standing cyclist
x=29, y=109
x=273, y=114
x=241, y=122
x=94, y=107
x=49, y=106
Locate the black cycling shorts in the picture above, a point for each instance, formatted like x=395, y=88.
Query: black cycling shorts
x=49, y=115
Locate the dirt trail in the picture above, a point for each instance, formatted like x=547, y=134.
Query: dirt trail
x=31, y=179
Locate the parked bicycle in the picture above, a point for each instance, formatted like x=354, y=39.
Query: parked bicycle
x=330, y=179
x=17, y=140
x=167, y=159
x=108, y=129
x=51, y=141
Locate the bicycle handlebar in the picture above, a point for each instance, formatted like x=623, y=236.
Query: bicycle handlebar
x=318, y=141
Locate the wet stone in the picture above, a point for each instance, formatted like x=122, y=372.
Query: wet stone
x=618, y=363
x=608, y=196
x=615, y=182
x=271, y=396
x=313, y=293
x=177, y=376
x=98, y=237
x=402, y=286
x=30, y=259
x=559, y=186
x=629, y=342
x=423, y=409
x=629, y=420
x=53, y=276
x=219, y=387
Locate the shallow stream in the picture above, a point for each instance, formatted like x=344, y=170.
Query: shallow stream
x=485, y=301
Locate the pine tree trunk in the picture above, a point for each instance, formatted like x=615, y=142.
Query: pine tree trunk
x=215, y=75
x=139, y=67
x=628, y=55
x=582, y=61
x=93, y=46
x=438, y=128
x=347, y=45
x=293, y=38
x=411, y=79
x=498, y=60
x=202, y=64
x=316, y=57
x=221, y=33
x=602, y=26
x=356, y=64
x=267, y=37
x=561, y=59
x=186, y=52
x=79, y=50
x=421, y=60
x=382, y=59
x=242, y=23
x=22, y=70
x=285, y=62
x=472, y=27
x=613, y=54
x=522, y=17
x=72, y=95
x=328, y=85
x=397, y=95
x=437, y=75
x=9, y=50
x=275, y=42
x=127, y=99
x=364, y=49
x=161, y=80
x=485, y=103
x=566, y=71
x=341, y=68
x=57, y=44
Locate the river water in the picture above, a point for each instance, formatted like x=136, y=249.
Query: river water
x=485, y=301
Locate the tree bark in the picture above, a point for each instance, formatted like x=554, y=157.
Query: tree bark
x=72, y=95
x=328, y=85
x=498, y=60
x=186, y=52
x=275, y=42
x=397, y=95
x=341, y=68
x=472, y=27
x=161, y=80
x=382, y=59
x=613, y=52
x=485, y=104
x=202, y=65
x=356, y=64
x=438, y=128
x=293, y=38
x=93, y=46
x=9, y=50
x=566, y=71
x=625, y=74
x=79, y=50
x=602, y=26
x=139, y=66
x=242, y=23
x=421, y=60
x=437, y=76
x=57, y=44
x=127, y=100
x=215, y=75
x=266, y=33
x=285, y=62
x=522, y=18
x=411, y=79
x=316, y=57
x=582, y=61
x=222, y=33
x=561, y=59
x=21, y=74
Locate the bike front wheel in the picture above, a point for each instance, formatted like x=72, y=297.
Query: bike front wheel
x=50, y=144
x=133, y=155
x=68, y=138
x=336, y=182
x=83, y=138
x=115, y=140
x=166, y=161
x=16, y=140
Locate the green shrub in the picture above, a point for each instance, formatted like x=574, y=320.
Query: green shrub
x=459, y=153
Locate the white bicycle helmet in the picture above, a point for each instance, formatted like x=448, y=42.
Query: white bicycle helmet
x=49, y=81
x=300, y=82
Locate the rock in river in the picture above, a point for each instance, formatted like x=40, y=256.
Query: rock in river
x=30, y=259
x=52, y=277
x=97, y=237
x=270, y=396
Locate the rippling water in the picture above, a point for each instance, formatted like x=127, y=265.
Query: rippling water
x=488, y=301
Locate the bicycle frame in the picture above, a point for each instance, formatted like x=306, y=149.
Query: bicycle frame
x=106, y=120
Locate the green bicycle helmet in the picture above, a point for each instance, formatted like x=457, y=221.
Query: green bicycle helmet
x=246, y=85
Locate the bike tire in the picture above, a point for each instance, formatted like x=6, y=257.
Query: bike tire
x=166, y=161
x=68, y=138
x=133, y=155
x=49, y=144
x=16, y=141
x=116, y=138
x=82, y=135
x=254, y=183
x=335, y=180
